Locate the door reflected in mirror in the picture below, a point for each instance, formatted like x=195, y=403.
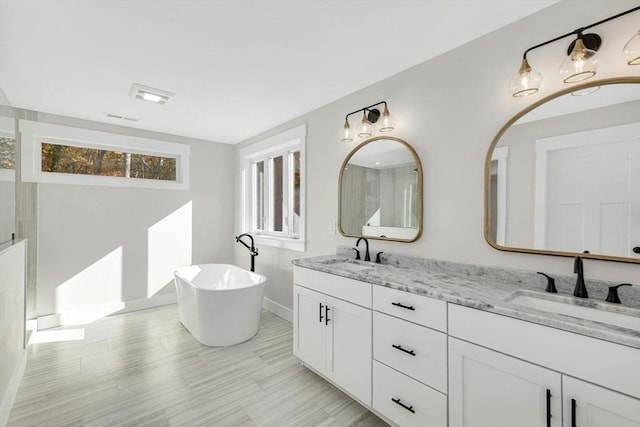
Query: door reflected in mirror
x=563, y=176
x=381, y=191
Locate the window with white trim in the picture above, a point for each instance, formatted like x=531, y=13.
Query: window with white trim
x=272, y=175
x=67, y=155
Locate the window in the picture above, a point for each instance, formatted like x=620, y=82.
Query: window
x=7, y=151
x=272, y=182
x=66, y=155
x=93, y=161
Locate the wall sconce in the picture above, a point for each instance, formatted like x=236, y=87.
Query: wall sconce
x=365, y=128
x=581, y=62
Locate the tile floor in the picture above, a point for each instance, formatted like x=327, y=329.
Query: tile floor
x=145, y=369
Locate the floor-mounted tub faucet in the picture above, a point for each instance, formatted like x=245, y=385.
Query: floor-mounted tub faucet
x=367, y=257
x=252, y=249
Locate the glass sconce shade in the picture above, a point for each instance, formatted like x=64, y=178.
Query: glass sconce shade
x=387, y=124
x=346, y=135
x=364, y=128
x=631, y=50
x=585, y=92
x=580, y=65
x=526, y=82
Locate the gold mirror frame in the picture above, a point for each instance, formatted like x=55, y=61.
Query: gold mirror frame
x=487, y=174
x=420, y=189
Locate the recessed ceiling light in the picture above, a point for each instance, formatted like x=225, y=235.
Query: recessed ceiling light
x=151, y=94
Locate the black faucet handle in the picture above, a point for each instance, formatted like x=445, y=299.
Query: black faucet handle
x=551, y=284
x=613, y=293
x=357, y=253
x=378, y=258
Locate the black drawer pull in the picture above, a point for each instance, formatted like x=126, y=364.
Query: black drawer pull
x=399, y=347
x=548, y=408
x=326, y=314
x=408, y=408
x=408, y=307
x=573, y=413
x=321, y=316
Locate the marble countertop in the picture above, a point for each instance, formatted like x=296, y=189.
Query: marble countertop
x=488, y=292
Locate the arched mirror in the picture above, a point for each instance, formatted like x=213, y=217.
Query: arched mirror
x=563, y=176
x=381, y=191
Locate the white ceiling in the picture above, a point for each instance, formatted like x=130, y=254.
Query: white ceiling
x=237, y=67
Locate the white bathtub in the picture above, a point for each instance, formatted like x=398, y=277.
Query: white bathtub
x=219, y=304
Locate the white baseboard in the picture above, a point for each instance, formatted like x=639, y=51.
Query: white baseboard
x=278, y=309
x=12, y=389
x=90, y=314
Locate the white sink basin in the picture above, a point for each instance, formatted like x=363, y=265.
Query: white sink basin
x=348, y=265
x=611, y=314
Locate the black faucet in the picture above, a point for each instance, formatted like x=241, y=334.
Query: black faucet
x=366, y=253
x=252, y=249
x=580, y=290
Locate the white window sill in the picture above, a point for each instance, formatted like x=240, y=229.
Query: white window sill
x=280, y=242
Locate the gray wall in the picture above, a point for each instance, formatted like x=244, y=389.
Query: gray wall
x=84, y=228
x=449, y=109
x=7, y=177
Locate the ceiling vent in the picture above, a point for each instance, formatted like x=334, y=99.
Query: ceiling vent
x=150, y=94
x=119, y=117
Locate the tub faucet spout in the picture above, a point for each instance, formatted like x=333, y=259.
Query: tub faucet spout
x=253, y=251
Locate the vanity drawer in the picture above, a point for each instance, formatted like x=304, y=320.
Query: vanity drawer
x=412, y=349
x=344, y=288
x=394, y=393
x=412, y=307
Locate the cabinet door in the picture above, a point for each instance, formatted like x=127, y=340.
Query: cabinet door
x=587, y=405
x=487, y=388
x=309, y=329
x=349, y=349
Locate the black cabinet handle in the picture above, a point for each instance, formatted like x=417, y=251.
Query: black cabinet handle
x=548, y=408
x=573, y=413
x=321, y=316
x=326, y=314
x=399, y=347
x=408, y=408
x=408, y=307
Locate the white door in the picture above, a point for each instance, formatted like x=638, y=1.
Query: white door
x=349, y=351
x=587, y=405
x=309, y=329
x=487, y=388
x=593, y=192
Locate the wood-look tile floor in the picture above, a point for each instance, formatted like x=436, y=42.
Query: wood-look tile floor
x=145, y=369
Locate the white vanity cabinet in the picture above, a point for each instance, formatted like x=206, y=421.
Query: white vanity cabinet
x=487, y=388
x=331, y=333
x=420, y=361
x=588, y=405
x=509, y=372
x=410, y=358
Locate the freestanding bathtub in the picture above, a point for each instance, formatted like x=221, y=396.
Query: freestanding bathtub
x=219, y=304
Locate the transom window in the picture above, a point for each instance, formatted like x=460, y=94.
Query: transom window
x=93, y=161
x=273, y=202
x=67, y=155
